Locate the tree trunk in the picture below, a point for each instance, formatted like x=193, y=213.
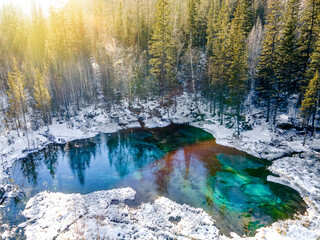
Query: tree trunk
x=221, y=113
x=268, y=108
x=275, y=113
x=238, y=120
x=315, y=114
x=192, y=76
x=313, y=120
x=306, y=130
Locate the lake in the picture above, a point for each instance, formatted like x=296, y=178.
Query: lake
x=180, y=162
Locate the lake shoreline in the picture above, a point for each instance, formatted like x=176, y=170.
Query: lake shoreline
x=259, y=142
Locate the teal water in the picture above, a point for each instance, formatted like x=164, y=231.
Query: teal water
x=180, y=162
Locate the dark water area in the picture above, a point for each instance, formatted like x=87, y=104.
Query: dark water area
x=180, y=162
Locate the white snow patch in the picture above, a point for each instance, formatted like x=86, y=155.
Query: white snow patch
x=104, y=215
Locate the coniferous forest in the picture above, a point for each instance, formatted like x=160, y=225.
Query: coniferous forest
x=100, y=52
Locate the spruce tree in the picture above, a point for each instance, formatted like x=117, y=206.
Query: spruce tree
x=266, y=75
x=315, y=61
x=310, y=22
x=218, y=43
x=310, y=102
x=17, y=94
x=193, y=28
x=287, y=53
x=214, y=22
x=42, y=96
x=162, y=49
x=247, y=15
x=237, y=70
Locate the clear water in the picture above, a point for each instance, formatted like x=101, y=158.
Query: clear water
x=180, y=162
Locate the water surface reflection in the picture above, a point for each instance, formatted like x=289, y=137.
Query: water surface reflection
x=181, y=162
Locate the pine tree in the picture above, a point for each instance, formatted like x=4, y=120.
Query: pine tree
x=17, y=94
x=213, y=24
x=314, y=67
x=286, y=57
x=193, y=28
x=238, y=60
x=315, y=60
x=266, y=75
x=247, y=15
x=42, y=96
x=162, y=49
x=309, y=31
x=287, y=53
x=218, y=43
x=310, y=102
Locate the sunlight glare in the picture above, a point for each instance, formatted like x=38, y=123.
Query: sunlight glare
x=26, y=5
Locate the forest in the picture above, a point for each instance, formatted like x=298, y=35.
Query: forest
x=98, y=53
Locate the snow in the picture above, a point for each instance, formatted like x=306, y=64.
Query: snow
x=54, y=214
x=260, y=141
x=104, y=215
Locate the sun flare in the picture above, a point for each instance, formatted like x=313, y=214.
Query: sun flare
x=26, y=5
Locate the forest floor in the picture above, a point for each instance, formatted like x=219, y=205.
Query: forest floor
x=73, y=215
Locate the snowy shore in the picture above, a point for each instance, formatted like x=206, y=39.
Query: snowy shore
x=105, y=214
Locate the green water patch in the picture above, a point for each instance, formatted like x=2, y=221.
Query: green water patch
x=180, y=162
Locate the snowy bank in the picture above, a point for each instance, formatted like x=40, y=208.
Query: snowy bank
x=104, y=215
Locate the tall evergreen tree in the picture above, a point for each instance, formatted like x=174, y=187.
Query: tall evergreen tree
x=287, y=53
x=266, y=75
x=247, y=15
x=162, y=49
x=309, y=31
x=42, y=96
x=17, y=95
x=310, y=102
x=315, y=60
x=218, y=43
x=193, y=28
x=213, y=23
x=238, y=60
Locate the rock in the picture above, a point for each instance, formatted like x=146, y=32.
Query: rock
x=141, y=121
x=104, y=215
x=135, y=110
x=2, y=192
x=90, y=115
x=155, y=113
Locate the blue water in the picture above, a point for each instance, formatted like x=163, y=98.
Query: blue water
x=180, y=162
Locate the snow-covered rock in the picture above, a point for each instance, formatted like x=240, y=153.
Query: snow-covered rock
x=104, y=215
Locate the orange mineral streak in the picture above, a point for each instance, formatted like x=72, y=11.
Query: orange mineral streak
x=206, y=152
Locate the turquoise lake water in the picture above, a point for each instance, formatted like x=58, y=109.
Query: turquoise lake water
x=180, y=162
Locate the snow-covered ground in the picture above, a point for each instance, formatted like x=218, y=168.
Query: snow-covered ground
x=103, y=214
